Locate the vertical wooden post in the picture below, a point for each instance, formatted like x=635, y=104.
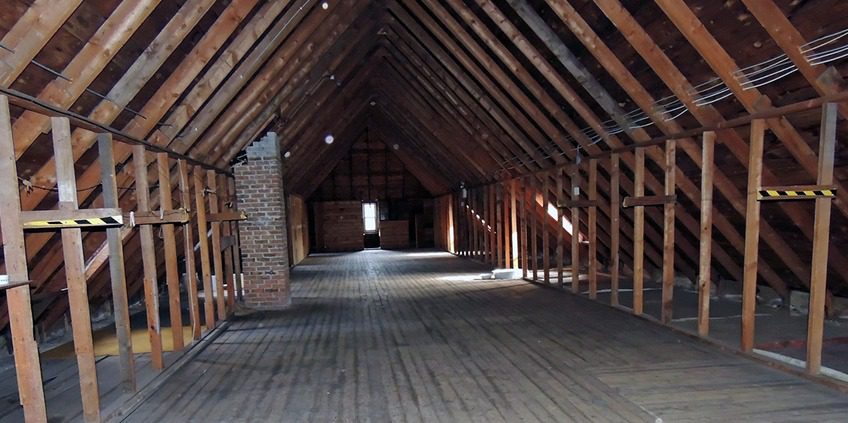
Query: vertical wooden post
x=503, y=225
x=668, y=234
x=117, y=273
x=522, y=198
x=235, y=291
x=501, y=229
x=821, y=235
x=593, y=230
x=560, y=246
x=575, y=229
x=27, y=365
x=484, y=223
x=752, y=235
x=227, y=253
x=203, y=239
x=148, y=257
x=639, y=234
x=172, y=275
x=546, y=241
x=534, y=231
x=491, y=226
x=513, y=222
x=490, y=222
x=704, y=261
x=217, y=260
x=188, y=246
x=615, y=223
x=475, y=226
x=75, y=271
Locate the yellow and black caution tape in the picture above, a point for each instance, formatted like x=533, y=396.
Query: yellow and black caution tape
x=75, y=223
x=769, y=194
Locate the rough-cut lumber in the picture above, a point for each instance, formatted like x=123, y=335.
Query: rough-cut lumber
x=75, y=272
x=752, y=236
x=169, y=241
x=27, y=364
x=821, y=223
x=706, y=239
x=148, y=255
x=117, y=272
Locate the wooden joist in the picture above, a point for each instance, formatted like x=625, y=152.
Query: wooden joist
x=27, y=363
x=649, y=200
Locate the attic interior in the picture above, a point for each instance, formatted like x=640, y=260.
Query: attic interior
x=441, y=210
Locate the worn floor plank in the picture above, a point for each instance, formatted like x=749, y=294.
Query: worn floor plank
x=393, y=336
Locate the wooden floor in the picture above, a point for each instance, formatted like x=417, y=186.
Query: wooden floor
x=389, y=336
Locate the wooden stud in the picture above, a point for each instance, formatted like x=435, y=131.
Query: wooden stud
x=615, y=222
x=236, y=250
x=500, y=213
x=639, y=234
x=27, y=364
x=226, y=233
x=706, y=239
x=148, y=255
x=513, y=222
x=203, y=239
x=214, y=198
x=818, y=278
x=575, y=230
x=534, y=231
x=546, y=242
x=188, y=254
x=475, y=225
x=522, y=199
x=593, y=230
x=752, y=236
x=484, y=222
x=75, y=271
x=169, y=241
x=117, y=273
x=668, y=233
x=560, y=246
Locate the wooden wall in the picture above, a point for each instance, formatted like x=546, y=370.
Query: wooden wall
x=298, y=229
x=338, y=226
x=394, y=234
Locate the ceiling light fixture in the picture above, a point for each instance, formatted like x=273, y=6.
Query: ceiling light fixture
x=328, y=139
x=325, y=5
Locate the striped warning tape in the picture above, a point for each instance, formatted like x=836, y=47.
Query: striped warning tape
x=75, y=223
x=769, y=194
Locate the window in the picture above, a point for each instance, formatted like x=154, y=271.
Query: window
x=369, y=217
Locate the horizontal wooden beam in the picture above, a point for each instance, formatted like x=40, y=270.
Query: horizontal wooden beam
x=567, y=204
x=36, y=105
x=83, y=218
x=178, y=216
x=230, y=216
x=650, y=200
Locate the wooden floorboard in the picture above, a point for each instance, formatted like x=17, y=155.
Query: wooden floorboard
x=394, y=336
